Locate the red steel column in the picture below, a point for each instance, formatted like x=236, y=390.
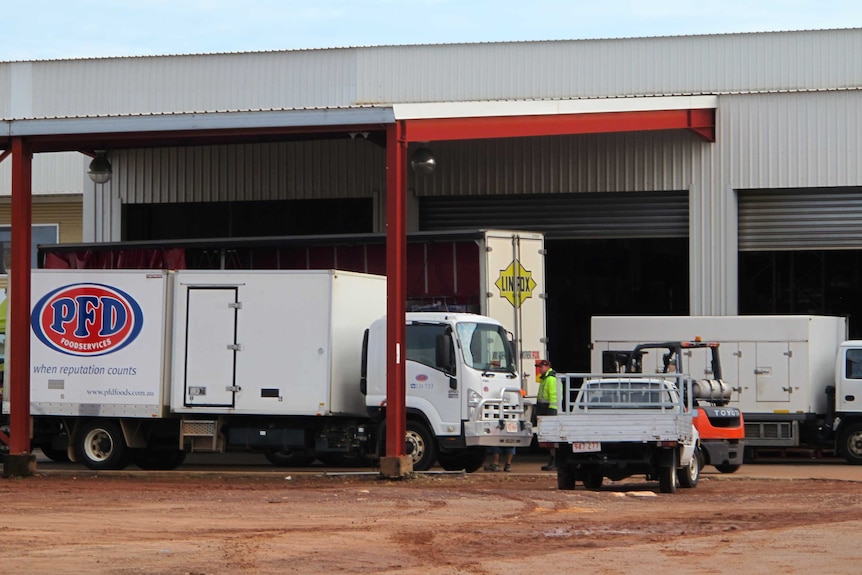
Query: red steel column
x=396, y=290
x=18, y=383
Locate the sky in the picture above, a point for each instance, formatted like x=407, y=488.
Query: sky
x=61, y=29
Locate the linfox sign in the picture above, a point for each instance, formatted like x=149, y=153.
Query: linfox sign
x=516, y=283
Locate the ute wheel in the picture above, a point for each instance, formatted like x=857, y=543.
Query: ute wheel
x=690, y=474
x=727, y=468
x=593, y=480
x=851, y=444
x=288, y=457
x=565, y=477
x=667, y=475
x=469, y=460
x=100, y=445
x=421, y=445
x=158, y=459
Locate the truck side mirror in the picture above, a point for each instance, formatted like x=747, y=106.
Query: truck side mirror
x=444, y=353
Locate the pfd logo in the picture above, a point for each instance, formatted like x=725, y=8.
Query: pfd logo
x=87, y=319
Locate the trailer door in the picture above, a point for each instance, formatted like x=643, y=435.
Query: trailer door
x=514, y=281
x=772, y=372
x=210, y=346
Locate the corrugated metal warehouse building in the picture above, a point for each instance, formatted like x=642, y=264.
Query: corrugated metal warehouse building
x=759, y=212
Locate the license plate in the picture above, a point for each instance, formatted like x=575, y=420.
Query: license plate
x=586, y=446
x=511, y=427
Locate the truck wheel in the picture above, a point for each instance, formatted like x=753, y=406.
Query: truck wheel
x=690, y=474
x=158, y=459
x=667, y=475
x=727, y=468
x=100, y=445
x=288, y=457
x=851, y=444
x=421, y=445
x=565, y=477
x=469, y=460
x=56, y=455
x=593, y=480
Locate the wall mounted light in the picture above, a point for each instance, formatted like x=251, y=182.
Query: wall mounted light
x=422, y=161
x=100, y=168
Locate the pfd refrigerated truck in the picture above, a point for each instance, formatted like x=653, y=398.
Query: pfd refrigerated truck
x=146, y=365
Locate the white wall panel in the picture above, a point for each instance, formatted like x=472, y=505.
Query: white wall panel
x=714, y=64
x=793, y=140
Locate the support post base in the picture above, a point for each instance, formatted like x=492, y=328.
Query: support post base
x=396, y=467
x=23, y=465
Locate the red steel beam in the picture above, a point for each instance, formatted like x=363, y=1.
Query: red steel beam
x=19, y=328
x=396, y=288
x=701, y=121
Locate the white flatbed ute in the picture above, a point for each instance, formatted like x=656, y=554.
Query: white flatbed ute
x=616, y=426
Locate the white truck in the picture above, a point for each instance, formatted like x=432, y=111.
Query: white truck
x=144, y=366
x=619, y=425
x=794, y=377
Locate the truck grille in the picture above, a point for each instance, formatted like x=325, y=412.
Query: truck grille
x=493, y=411
x=771, y=433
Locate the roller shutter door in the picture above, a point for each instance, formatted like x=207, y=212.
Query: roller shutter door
x=564, y=216
x=810, y=219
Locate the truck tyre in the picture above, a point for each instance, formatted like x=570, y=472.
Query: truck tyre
x=158, y=459
x=667, y=474
x=727, y=467
x=851, y=444
x=690, y=474
x=288, y=457
x=469, y=460
x=56, y=455
x=99, y=445
x=421, y=445
x=565, y=477
x=593, y=480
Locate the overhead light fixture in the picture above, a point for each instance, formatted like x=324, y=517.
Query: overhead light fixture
x=423, y=161
x=100, y=168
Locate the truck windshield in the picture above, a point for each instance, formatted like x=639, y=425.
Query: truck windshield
x=486, y=347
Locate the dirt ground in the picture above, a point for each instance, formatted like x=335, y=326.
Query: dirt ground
x=439, y=524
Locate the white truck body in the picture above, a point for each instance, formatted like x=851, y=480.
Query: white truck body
x=244, y=342
x=618, y=425
x=773, y=363
x=789, y=375
x=161, y=361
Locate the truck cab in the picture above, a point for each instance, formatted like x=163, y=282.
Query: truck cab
x=463, y=389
